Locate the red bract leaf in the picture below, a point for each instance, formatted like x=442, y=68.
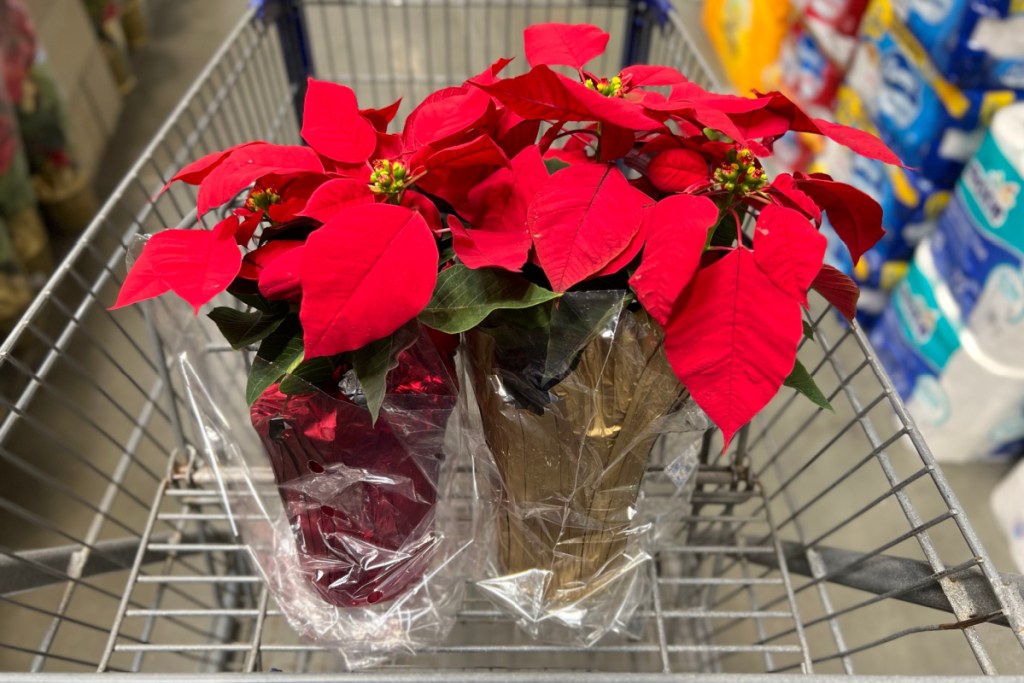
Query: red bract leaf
x=542, y=94
x=247, y=228
x=444, y=114
x=838, y=289
x=584, y=217
x=490, y=74
x=788, y=249
x=785, y=191
x=677, y=170
x=648, y=74
x=566, y=44
x=489, y=248
x=518, y=137
x=859, y=141
x=331, y=123
x=365, y=273
x=194, y=173
x=633, y=250
x=773, y=114
x=480, y=151
x=197, y=265
x=424, y=207
x=336, y=195
x=733, y=340
x=501, y=202
x=280, y=278
x=707, y=116
x=389, y=146
x=856, y=217
x=256, y=260
x=676, y=234
x=287, y=210
x=380, y=118
x=616, y=142
x=251, y=162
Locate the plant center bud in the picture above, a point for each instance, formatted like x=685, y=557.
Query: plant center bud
x=740, y=172
x=608, y=88
x=388, y=177
x=260, y=199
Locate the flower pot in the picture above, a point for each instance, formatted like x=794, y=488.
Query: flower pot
x=569, y=454
x=360, y=496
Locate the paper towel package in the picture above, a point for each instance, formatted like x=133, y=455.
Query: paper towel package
x=931, y=123
x=953, y=335
x=975, y=43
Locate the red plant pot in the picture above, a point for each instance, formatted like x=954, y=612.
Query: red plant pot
x=360, y=497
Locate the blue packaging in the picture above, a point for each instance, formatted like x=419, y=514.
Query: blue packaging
x=934, y=126
x=973, y=43
x=913, y=338
x=952, y=336
x=982, y=231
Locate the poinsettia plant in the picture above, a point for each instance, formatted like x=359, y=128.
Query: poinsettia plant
x=504, y=193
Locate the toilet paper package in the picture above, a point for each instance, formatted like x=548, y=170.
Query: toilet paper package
x=974, y=43
x=910, y=202
x=808, y=75
x=932, y=124
x=980, y=237
x=952, y=336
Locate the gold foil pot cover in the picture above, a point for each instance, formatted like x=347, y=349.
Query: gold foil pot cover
x=568, y=458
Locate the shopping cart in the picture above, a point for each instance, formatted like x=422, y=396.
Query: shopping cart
x=825, y=543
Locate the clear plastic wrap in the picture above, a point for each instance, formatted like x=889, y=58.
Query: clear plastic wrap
x=562, y=408
x=363, y=532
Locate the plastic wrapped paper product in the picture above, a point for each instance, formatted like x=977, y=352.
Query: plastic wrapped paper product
x=566, y=416
x=808, y=74
x=841, y=16
x=952, y=339
x=363, y=532
x=975, y=43
x=746, y=35
x=834, y=24
x=910, y=205
x=934, y=125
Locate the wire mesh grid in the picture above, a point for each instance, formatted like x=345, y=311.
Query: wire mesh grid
x=117, y=553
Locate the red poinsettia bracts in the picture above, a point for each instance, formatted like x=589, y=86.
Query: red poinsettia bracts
x=639, y=180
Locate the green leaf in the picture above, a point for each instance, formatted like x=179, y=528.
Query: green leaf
x=260, y=303
x=574, y=324
x=808, y=330
x=445, y=255
x=309, y=375
x=554, y=165
x=278, y=355
x=373, y=362
x=802, y=381
x=242, y=328
x=463, y=297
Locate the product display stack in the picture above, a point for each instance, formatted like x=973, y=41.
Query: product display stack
x=925, y=78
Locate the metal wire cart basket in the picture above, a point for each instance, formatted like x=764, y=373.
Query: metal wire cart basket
x=117, y=554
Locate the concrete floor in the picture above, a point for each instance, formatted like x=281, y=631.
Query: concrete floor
x=185, y=34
